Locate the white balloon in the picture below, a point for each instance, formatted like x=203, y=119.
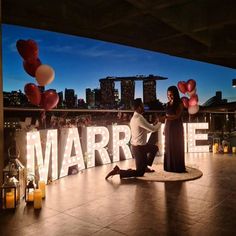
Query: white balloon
x=193, y=109
x=44, y=75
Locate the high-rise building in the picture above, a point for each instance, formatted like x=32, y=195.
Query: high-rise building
x=149, y=91
x=107, y=87
x=76, y=101
x=90, y=98
x=60, y=102
x=108, y=94
x=219, y=95
x=87, y=95
x=15, y=99
x=70, y=98
x=116, y=94
x=81, y=103
x=127, y=93
x=97, y=95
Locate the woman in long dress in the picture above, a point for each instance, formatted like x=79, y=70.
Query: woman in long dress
x=174, y=133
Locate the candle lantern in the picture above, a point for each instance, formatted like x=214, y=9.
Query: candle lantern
x=15, y=168
x=10, y=193
x=37, y=199
x=233, y=150
x=29, y=192
x=42, y=187
x=216, y=145
x=226, y=148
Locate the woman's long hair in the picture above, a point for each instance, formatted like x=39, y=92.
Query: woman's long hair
x=175, y=92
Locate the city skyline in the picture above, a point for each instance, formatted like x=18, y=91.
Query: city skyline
x=80, y=63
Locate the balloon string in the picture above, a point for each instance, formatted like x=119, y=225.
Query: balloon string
x=43, y=119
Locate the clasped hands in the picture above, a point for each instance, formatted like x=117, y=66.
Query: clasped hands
x=160, y=119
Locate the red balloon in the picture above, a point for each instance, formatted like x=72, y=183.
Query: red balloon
x=191, y=84
x=182, y=87
x=28, y=49
x=192, y=92
x=33, y=93
x=31, y=66
x=185, y=101
x=49, y=99
x=193, y=100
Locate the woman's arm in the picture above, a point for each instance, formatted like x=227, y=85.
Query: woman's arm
x=179, y=112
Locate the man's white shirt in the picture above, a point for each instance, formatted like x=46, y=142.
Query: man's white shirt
x=140, y=127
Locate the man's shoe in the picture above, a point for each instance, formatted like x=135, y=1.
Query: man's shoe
x=115, y=171
x=148, y=170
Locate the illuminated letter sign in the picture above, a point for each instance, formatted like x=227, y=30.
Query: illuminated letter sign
x=49, y=141
x=192, y=137
x=161, y=139
x=95, y=143
x=185, y=137
x=120, y=137
x=70, y=154
x=96, y=139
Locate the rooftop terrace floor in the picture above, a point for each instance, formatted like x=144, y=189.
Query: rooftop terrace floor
x=87, y=204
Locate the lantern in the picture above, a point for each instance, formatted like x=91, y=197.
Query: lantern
x=42, y=187
x=10, y=193
x=37, y=199
x=15, y=168
x=29, y=192
x=233, y=150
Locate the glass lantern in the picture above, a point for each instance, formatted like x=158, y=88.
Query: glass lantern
x=29, y=192
x=10, y=193
x=15, y=168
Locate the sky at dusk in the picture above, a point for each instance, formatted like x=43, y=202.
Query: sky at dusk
x=80, y=62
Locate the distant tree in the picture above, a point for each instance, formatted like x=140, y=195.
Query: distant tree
x=156, y=105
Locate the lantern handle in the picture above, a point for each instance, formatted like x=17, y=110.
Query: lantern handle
x=16, y=154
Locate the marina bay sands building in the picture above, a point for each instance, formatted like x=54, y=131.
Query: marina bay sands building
x=107, y=86
x=127, y=92
x=149, y=91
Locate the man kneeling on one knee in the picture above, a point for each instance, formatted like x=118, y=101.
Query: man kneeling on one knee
x=143, y=152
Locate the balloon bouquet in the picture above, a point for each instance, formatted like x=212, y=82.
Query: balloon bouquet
x=43, y=73
x=190, y=89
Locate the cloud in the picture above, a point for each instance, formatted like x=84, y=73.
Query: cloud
x=15, y=83
x=94, y=51
x=12, y=47
x=5, y=38
x=9, y=43
x=98, y=50
x=113, y=52
x=59, y=49
x=18, y=79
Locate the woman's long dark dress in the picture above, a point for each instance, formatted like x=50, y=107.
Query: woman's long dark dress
x=174, y=143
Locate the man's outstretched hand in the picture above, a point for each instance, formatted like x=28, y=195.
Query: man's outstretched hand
x=161, y=119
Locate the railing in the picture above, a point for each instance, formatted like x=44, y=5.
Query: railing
x=222, y=124
x=218, y=120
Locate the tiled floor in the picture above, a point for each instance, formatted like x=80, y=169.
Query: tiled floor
x=86, y=204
